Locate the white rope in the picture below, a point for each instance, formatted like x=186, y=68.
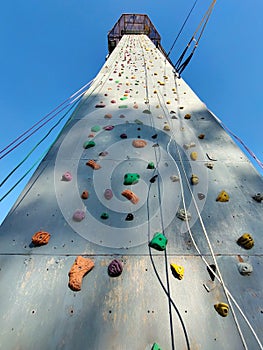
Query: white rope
x=209, y=244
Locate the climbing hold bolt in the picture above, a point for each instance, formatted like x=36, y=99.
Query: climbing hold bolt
x=115, y=268
x=246, y=241
x=183, y=215
x=245, y=269
x=151, y=165
x=177, y=271
x=104, y=216
x=67, y=176
x=158, y=242
x=194, y=179
x=131, y=178
x=223, y=197
x=258, y=197
x=88, y=144
x=131, y=196
x=194, y=155
x=222, y=309
x=40, y=238
x=85, y=195
x=78, y=270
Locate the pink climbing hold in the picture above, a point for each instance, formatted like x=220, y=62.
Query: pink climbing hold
x=113, y=101
x=79, y=215
x=67, y=176
x=108, y=194
x=108, y=127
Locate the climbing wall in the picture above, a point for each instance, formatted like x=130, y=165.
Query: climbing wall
x=143, y=175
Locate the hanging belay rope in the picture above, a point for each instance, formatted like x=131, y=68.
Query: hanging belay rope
x=181, y=64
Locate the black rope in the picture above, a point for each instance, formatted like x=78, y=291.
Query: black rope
x=180, y=31
x=167, y=291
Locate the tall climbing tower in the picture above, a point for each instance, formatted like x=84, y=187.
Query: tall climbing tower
x=146, y=221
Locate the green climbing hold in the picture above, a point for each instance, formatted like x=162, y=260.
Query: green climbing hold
x=158, y=242
x=151, y=165
x=147, y=111
x=95, y=128
x=88, y=144
x=123, y=106
x=104, y=216
x=123, y=98
x=131, y=178
x=138, y=121
x=117, y=81
x=156, y=347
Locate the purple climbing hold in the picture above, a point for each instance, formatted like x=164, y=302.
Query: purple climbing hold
x=108, y=194
x=79, y=215
x=123, y=136
x=103, y=154
x=108, y=127
x=115, y=268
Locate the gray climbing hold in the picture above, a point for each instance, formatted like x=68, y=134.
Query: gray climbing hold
x=245, y=269
x=200, y=196
x=258, y=197
x=183, y=215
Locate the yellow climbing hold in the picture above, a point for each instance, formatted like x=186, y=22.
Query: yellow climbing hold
x=194, y=155
x=246, y=241
x=194, y=179
x=223, y=197
x=222, y=309
x=178, y=271
x=166, y=127
x=168, y=102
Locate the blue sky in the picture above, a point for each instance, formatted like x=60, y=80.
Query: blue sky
x=49, y=49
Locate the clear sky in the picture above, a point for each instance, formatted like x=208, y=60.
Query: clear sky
x=49, y=49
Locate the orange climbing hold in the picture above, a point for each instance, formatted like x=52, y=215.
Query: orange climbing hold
x=40, y=238
x=131, y=196
x=187, y=116
x=78, y=270
x=93, y=164
x=139, y=143
x=85, y=195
